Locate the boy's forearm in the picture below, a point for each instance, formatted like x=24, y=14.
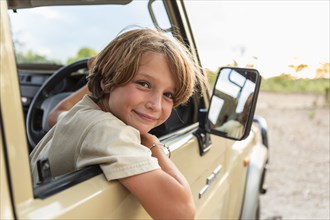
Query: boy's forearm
x=168, y=166
x=66, y=104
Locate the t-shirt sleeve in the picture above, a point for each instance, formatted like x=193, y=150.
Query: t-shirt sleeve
x=116, y=148
x=61, y=115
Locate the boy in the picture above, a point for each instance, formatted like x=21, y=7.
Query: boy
x=134, y=83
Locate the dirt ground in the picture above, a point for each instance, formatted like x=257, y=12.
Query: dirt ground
x=298, y=176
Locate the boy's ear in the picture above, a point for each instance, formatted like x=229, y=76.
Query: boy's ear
x=103, y=87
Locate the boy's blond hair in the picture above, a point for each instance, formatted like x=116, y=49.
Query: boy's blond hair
x=117, y=64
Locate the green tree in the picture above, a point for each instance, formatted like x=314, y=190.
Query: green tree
x=211, y=76
x=84, y=52
x=32, y=57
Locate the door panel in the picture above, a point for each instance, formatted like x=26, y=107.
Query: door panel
x=209, y=195
x=95, y=198
x=237, y=173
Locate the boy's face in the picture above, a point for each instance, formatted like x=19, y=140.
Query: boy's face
x=147, y=100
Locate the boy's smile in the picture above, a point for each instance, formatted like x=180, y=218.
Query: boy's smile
x=147, y=100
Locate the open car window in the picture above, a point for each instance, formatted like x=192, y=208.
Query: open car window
x=48, y=38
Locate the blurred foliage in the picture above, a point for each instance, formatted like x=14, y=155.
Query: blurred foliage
x=82, y=53
x=32, y=57
x=285, y=83
x=211, y=76
x=323, y=71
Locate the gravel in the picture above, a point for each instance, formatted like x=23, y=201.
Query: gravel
x=298, y=176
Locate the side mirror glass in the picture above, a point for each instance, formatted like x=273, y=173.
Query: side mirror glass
x=233, y=102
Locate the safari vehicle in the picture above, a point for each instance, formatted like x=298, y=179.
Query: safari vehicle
x=225, y=172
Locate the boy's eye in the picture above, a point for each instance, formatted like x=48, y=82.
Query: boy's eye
x=169, y=95
x=143, y=84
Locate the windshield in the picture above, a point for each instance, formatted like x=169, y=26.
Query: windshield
x=63, y=34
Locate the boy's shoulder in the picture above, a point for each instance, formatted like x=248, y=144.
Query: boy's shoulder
x=86, y=110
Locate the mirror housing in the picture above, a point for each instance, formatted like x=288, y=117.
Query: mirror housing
x=233, y=102
x=232, y=106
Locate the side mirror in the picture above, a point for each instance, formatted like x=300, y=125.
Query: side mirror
x=233, y=102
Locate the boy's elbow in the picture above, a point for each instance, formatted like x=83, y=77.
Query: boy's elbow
x=187, y=211
x=188, y=208
x=182, y=211
x=191, y=211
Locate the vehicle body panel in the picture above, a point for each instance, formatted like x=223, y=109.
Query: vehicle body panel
x=217, y=178
x=6, y=211
x=12, y=118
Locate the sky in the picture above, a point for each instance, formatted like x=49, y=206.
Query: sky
x=270, y=35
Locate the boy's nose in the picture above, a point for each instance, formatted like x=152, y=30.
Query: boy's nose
x=155, y=102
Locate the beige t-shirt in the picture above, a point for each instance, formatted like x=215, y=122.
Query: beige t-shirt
x=233, y=128
x=85, y=136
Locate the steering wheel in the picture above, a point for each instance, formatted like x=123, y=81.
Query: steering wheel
x=45, y=100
